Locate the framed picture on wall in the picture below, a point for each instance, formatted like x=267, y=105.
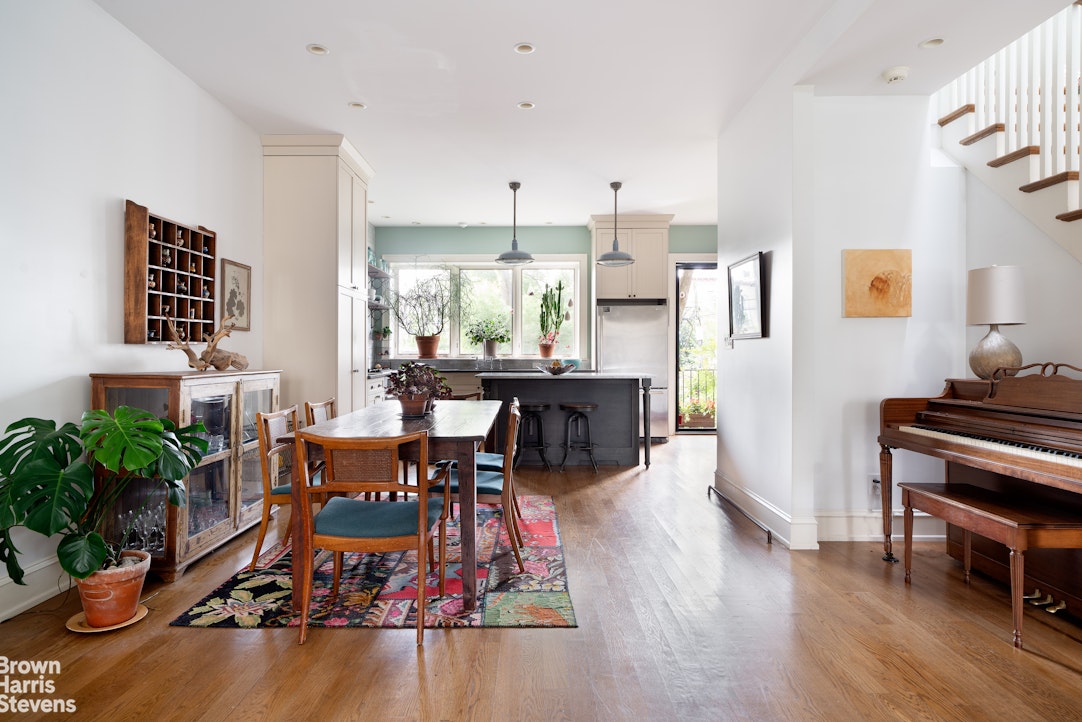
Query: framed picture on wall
x=237, y=293
x=746, y=297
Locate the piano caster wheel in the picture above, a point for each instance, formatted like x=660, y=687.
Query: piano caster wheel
x=1036, y=595
x=1042, y=602
x=1057, y=607
x=889, y=557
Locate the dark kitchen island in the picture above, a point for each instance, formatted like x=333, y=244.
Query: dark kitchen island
x=614, y=425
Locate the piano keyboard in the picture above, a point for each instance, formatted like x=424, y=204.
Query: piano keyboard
x=1029, y=451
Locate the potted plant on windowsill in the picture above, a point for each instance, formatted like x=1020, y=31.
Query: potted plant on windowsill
x=416, y=386
x=47, y=486
x=552, y=317
x=423, y=311
x=489, y=331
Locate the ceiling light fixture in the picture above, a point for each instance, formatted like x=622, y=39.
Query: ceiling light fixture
x=514, y=257
x=931, y=43
x=615, y=257
x=317, y=49
x=524, y=48
x=526, y=105
x=357, y=106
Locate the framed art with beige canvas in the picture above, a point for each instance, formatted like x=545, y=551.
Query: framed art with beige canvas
x=878, y=283
x=237, y=293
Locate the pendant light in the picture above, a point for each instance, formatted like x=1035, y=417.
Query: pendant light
x=615, y=257
x=514, y=257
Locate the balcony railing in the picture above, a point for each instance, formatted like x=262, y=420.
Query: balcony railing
x=696, y=395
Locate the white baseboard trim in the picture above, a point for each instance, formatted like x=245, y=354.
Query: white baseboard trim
x=793, y=532
x=853, y=526
x=44, y=580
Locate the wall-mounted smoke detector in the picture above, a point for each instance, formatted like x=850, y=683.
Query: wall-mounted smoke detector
x=896, y=74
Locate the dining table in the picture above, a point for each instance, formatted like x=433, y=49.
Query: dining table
x=456, y=430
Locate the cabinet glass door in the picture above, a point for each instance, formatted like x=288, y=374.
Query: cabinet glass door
x=256, y=397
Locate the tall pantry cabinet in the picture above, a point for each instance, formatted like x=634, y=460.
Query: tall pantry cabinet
x=315, y=235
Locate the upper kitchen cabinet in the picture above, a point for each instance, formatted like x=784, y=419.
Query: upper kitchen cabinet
x=646, y=238
x=315, y=250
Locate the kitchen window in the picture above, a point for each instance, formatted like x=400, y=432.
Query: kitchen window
x=484, y=289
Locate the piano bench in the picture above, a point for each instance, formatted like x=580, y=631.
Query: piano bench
x=1004, y=519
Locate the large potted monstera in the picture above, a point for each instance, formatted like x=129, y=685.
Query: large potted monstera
x=47, y=484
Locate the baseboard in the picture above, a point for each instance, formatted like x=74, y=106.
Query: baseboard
x=854, y=526
x=44, y=581
x=794, y=532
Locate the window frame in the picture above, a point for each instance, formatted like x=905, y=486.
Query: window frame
x=575, y=262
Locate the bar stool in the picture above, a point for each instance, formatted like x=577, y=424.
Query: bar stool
x=532, y=431
x=575, y=420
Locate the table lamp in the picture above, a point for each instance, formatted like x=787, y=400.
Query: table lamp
x=995, y=296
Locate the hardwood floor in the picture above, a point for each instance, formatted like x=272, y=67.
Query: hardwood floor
x=684, y=611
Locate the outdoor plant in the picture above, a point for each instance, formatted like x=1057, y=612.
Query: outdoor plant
x=696, y=405
x=552, y=313
x=47, y=479
x=489, y=328
x=412, y=379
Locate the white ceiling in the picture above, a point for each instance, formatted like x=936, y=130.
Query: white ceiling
x=636, y=91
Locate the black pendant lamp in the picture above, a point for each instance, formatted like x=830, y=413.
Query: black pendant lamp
x=514, y=257
x=615, y=257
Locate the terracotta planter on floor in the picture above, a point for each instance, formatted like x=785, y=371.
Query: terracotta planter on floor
x=111, y=596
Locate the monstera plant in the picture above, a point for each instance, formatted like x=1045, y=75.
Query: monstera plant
x=47, y=479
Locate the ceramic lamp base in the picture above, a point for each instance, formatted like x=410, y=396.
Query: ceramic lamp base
x=994, y=351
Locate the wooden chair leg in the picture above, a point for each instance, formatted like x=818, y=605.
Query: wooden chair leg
x=443, y=558
x=337, y=572
x=420, y=595
x=262, y=534
x=306, y=601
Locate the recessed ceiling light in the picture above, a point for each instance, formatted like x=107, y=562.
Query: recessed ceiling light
x=416, y=223
x=524, y=48
x=931, y=43
x=371, y=201
x=317, y=49
x=526, y=105
x=385, y=217
x=357, y=106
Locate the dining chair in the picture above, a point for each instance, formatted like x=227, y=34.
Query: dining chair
x=497, y=487
x=319, y=411
x=276, y=461
x=344, y=523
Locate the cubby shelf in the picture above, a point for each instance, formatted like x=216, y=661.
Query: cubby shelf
x=169, y=272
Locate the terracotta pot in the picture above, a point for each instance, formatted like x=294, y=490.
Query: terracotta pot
x=546, y=349
x=427, y=345
x=111, y=596
x=413, y=404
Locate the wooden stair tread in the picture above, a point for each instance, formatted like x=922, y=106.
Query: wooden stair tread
x=1069, y=175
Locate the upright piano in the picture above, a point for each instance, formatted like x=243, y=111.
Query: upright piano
x=1018, y=435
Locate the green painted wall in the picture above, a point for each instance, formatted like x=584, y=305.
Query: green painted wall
x=537, y=239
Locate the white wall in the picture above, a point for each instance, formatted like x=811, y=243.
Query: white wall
x=90, y=117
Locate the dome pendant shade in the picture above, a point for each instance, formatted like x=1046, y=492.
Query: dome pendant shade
x=514, y=257
x=615, y=257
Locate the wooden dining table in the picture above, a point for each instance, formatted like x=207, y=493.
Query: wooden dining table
x=455, y=429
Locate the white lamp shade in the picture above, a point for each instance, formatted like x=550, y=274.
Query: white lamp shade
x=995, y=296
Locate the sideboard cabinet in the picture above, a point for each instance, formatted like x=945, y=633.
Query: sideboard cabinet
x=225, y=491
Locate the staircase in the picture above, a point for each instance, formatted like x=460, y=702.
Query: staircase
x=1022, y=142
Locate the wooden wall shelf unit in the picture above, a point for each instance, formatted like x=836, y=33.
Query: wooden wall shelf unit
x=169, y=270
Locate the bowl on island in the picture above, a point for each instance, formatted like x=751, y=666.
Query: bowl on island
x=556, y=368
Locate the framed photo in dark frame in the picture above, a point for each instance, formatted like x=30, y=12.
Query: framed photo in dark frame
x=237, y=293
x=746, y=297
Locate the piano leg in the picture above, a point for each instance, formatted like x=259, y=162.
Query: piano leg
x=886, y=492
x=1017, y=580
x=967, y=552
x=908, y=551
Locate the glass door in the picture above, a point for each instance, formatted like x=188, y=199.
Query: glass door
x=697, y=287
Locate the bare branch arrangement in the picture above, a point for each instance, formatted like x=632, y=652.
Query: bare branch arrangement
x=220, y=359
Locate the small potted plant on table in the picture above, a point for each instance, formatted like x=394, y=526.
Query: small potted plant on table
x=46, y=486
x=416, y=386
x=489, y=331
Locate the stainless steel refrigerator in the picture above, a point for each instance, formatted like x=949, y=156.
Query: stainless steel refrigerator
x=634, y=339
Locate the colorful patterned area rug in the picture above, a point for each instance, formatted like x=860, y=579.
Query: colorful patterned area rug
x=380, y=590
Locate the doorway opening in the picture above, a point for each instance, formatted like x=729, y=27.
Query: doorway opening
x=696, y=347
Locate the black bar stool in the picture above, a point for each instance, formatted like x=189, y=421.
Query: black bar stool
x=575, y=420
x=531, y=432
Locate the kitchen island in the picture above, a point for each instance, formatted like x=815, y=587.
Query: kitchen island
x=620, y=399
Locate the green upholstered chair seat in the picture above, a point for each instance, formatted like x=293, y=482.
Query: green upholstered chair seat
x=489, y=483
x=490, y=462
x=360, y=519
x=283, y=489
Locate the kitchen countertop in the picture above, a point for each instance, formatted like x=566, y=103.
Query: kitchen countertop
x=570, y=376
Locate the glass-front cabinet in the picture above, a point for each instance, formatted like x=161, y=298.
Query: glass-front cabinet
x=225, y=492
